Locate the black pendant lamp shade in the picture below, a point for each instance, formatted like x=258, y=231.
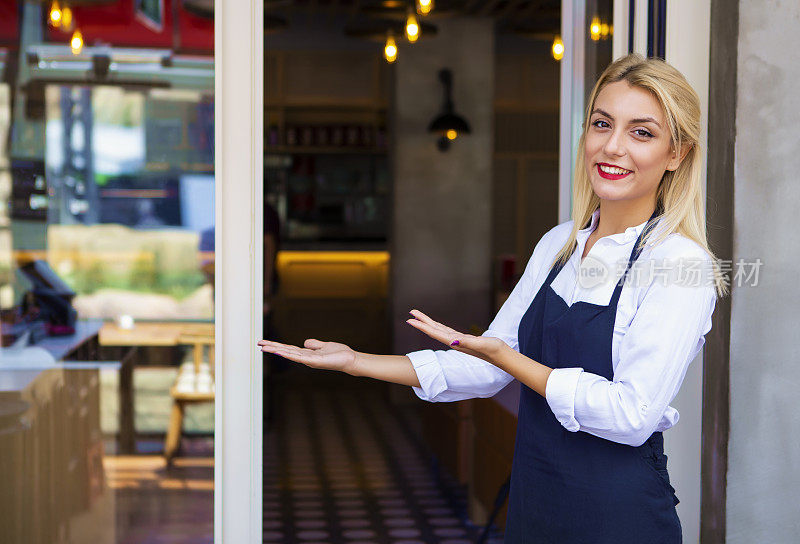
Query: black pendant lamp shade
x=448, y=120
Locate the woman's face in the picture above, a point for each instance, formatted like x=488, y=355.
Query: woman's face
x=627, y=145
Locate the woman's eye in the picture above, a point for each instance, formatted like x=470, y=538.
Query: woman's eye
x=600, y=124
x=642, y=132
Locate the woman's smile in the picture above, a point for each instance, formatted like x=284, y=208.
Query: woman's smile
x=609, y=171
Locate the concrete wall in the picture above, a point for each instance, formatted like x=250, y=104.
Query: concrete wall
x=441, y=239
x=763, y=496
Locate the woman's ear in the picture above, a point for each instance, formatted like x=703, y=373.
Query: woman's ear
x=676, y=158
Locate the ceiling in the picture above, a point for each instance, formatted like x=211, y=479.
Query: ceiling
x=536, y=18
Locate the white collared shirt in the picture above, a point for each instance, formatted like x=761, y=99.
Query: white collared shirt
x=663, y=315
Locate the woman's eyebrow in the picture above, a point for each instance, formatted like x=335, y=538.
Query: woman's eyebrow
x=632, y=121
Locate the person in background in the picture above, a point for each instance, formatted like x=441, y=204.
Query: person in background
x=272, y=238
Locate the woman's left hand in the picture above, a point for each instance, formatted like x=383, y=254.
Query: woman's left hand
x=485, y=347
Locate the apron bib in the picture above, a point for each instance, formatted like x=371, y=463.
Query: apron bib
x=574, y=487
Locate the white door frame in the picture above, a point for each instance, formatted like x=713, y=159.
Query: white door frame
x=688, y=27
x=573, y=27
x=239, y=157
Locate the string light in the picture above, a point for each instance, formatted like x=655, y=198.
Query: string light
x=390, y=49
x=558, y=48
x=76, y=42
x=55, y=14
x=595, y=28
x=424, y=7
x=66, y=18
x=412, y=27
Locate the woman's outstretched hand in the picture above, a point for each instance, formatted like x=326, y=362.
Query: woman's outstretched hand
x=484, y=347
x=316, y=354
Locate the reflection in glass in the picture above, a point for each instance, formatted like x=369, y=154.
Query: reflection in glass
x=107, y=178
x=597, y=41
x=130, y=174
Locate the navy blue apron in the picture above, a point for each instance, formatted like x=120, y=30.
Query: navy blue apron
x=573, y=487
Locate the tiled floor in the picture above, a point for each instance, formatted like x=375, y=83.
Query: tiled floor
x=156, y=505
x=343, y=466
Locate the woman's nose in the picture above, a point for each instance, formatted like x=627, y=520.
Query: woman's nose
x=613, y=145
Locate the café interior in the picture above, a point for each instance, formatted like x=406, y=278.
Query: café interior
x=107, y=258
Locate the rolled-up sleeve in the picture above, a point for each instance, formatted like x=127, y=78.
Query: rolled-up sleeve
x=450, y=375
x=665, y=335
x=560, y=390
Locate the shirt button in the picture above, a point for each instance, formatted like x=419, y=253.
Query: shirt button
x=643, y=408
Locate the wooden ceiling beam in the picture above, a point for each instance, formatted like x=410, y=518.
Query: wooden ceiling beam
x=489, y=7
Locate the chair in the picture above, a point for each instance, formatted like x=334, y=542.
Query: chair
x=190, y=387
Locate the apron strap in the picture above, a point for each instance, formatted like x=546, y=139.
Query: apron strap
x=635, y=252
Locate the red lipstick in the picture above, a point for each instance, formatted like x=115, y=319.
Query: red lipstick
x=606, y=175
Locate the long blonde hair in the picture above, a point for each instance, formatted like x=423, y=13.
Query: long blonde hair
x=679, y=195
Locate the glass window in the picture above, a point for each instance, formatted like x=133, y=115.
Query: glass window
x=131, y=186
x=107, y=339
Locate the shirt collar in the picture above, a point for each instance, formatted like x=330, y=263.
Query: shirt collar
x=630, y=234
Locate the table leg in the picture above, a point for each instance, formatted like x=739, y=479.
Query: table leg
x=127, y=431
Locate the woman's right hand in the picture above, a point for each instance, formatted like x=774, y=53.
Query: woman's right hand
x=316, y=354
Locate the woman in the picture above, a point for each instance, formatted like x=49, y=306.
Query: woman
x=598, y=363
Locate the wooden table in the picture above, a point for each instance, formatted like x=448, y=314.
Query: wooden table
x=143, y=334
x=153, y=333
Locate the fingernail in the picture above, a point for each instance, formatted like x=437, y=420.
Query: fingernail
x=455, y=343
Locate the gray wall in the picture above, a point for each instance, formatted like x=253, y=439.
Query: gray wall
x=763, y=494
x=441, y=239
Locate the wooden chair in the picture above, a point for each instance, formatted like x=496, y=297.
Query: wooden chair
x=180, y=397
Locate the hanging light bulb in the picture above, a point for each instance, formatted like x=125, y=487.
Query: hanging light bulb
x=451, y=134
x=595, y=28
x=558, y=48
x=76, y=42
x=55, y=14
x=412, y=27
x=390, y=49
x=66, y=18
x=424, y=7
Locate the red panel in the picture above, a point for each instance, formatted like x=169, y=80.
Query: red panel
x=196, y=33
x=9, y=22
x=117, y=24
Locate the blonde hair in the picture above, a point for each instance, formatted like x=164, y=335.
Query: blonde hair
x=679, y=195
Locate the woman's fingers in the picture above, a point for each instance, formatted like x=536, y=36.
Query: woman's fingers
x=313, y=343
x=293, y=353
x=269, y=344
x=422, y=317
x=433, y=323
x=479, y=346
x=278, y=348
x=428, y=321
x=431, y=330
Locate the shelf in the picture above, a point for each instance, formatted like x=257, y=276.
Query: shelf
x=337, y=106
x=312, y=150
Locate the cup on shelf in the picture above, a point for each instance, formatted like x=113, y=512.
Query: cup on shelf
x=291, y=135
x=186, y=383
x=307, y=136
x=204, y=383
x=322, y=136
x=352, y=136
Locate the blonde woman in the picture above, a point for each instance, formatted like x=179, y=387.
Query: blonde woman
x=611, y=309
